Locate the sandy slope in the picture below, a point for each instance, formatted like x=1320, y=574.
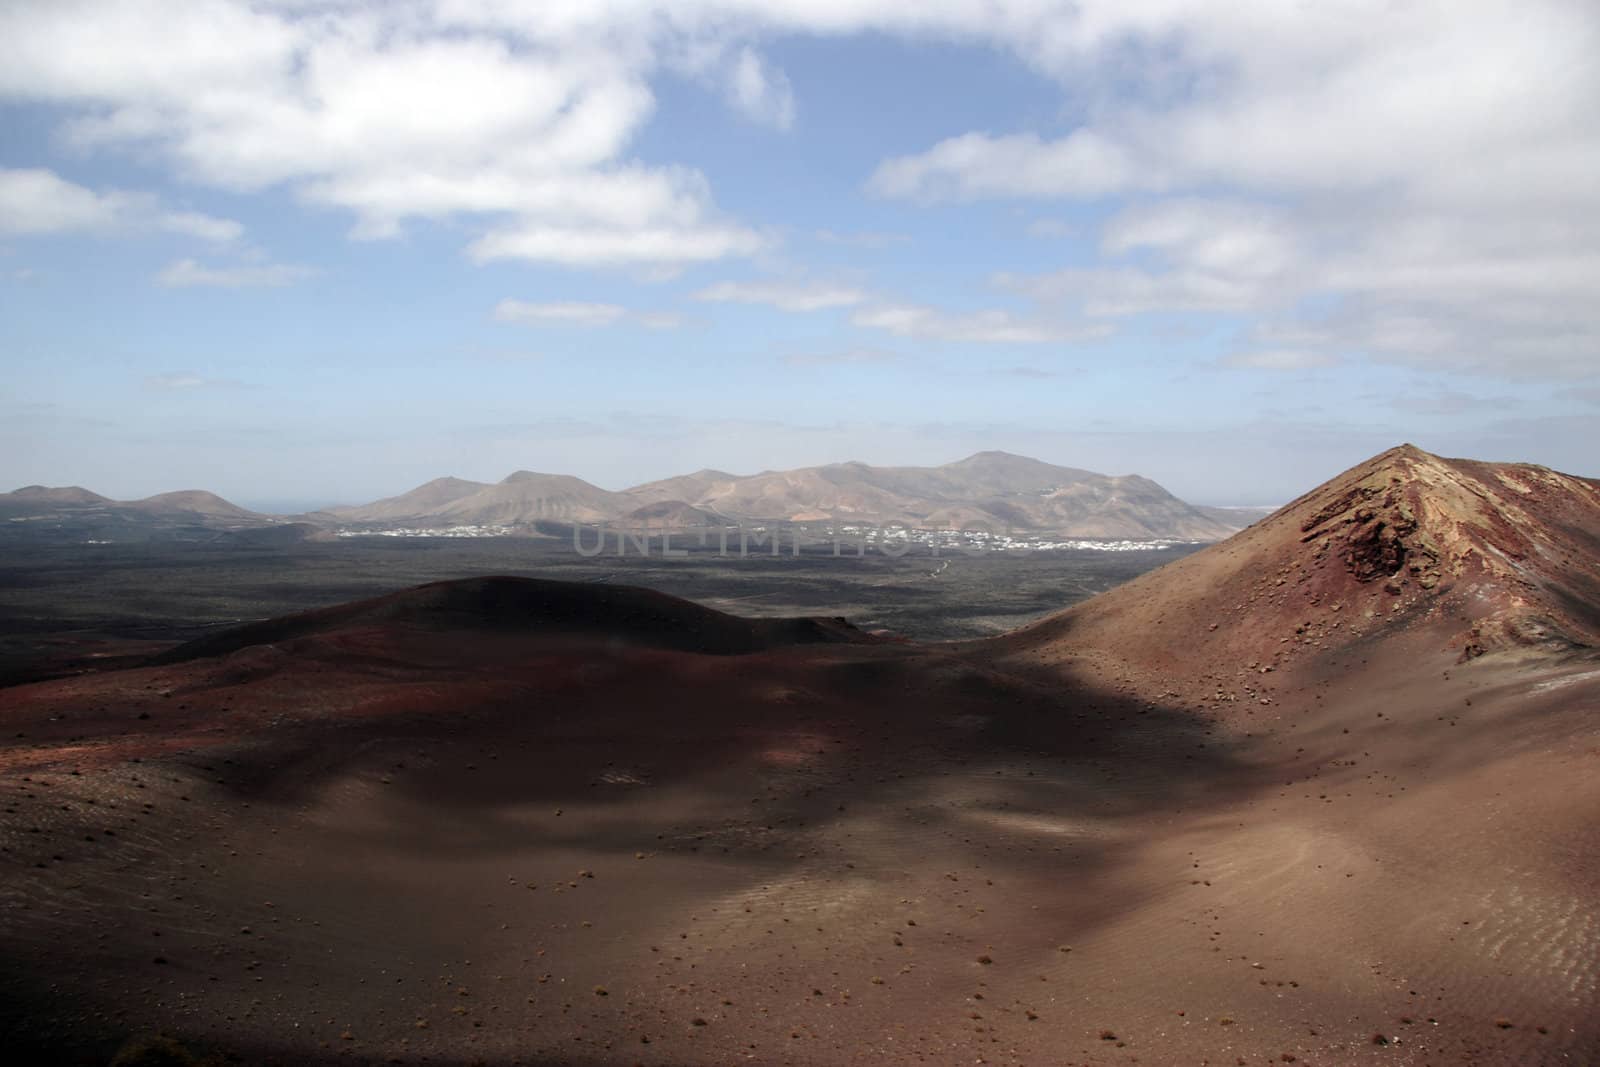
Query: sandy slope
x=427, y=835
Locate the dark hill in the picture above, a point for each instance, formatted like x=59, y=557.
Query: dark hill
x=533, y=606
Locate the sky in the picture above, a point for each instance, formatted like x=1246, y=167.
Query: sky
x=302, y=252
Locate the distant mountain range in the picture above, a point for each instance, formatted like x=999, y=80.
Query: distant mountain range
x=42, y=513
x=995, y=489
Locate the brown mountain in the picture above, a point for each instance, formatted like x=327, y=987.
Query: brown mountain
x=523, y=498
x=423, y=500
x=685, y=487
x=1447, y=554
x=72, y=513
x=528, y=497
x=34, y=504
x=42, y=500
x=993, y=489
x=65, y=496
x=190, y=502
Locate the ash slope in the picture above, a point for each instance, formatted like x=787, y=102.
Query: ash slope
x=445, y=827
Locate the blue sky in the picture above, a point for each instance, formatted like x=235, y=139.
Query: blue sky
x=305, y=252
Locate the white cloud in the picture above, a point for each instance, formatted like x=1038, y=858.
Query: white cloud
x=584, y=314
x=603, y=245
x=188, y=273
x=786, y=296
x=1116, y=291
x=507, y=116
x=580, y=313
x=1279, y=359
x=1428, y=168
x=863, y=239
x=1353, y=94
x=205, y=227
x=35, y=201
x=1431, y=164
x=759, y=91
x=980, y=327
x=977, y=165
x=1493, y=334
x=1226, y=238
x=1492, y=294
x=1211, y=256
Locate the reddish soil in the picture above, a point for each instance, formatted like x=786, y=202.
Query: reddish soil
x=501, y=823
x=1444, y=555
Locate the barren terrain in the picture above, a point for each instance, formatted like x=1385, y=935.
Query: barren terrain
x=1191, y=820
